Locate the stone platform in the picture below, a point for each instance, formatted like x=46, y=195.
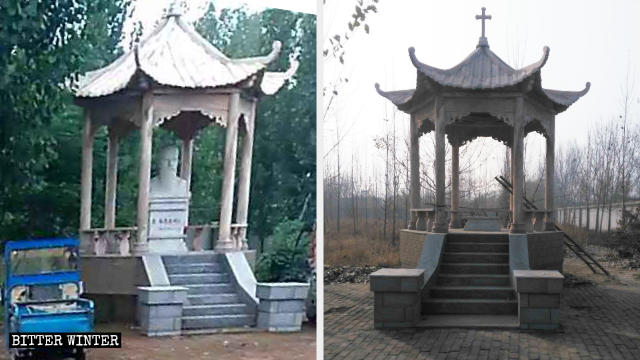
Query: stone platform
x=476, y=279
x=115, y=296
x=546, y=249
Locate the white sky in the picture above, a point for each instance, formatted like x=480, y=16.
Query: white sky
x=592, y=41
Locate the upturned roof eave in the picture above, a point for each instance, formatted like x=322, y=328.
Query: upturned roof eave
x=563, y=99
x=116, y=76
x=456, y=77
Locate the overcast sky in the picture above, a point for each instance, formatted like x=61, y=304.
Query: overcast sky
x=592, y=41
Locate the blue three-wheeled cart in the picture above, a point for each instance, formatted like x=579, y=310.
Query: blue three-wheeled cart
x=41, y=294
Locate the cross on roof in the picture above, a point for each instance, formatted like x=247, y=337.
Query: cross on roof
x=483, y=17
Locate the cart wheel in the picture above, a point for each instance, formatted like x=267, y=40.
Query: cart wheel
x=81, y=355
x=77, y=355
x=16, y=356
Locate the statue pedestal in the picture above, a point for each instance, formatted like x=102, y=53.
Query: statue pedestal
x=482, y=223
x=168, y=217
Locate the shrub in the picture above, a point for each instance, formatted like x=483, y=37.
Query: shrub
x=627, y=239
x=286, y=261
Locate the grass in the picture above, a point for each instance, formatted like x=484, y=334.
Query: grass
x=364, y=247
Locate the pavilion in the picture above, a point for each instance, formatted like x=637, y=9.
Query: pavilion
x=481, y=96
x=176, y=80
x=486, y=277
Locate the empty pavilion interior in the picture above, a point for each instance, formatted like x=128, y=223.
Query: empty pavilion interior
x=473, y=265
x=173, y=79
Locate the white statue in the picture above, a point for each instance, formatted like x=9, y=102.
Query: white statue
x=168, y=206
x=167, y=183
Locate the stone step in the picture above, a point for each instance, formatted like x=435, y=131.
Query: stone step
x=477, y=237
x=215, y=309
x=475, y=257
x=470, y=306
x=205, y=299
x=473, y=292
x=192, y=258
x=498, y=247
x=473, y=279
x=202, y=289
x=194, y=268
x=470, y=321
x=202, y=278
x=218, y=321
x=474, y=268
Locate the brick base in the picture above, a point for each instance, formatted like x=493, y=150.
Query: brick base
x=538, y=298
x=397, y=297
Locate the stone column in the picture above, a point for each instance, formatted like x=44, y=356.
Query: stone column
x=244, y=180
x=87, y=171
x=517, y=169
x=510, y=176
x=414, y=160
x=440, y=225
x=186, y=158
x=455, y=186
x=141, y=244
x=549, y=223
x=225, y=242
x=111, y=181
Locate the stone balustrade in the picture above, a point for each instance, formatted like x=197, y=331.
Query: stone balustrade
x=422, y=219
x=535, y=220
x=119, y=240
x=397, y=299
x=201, y=237
x=538, y=298
x=239, y=236
x=102, y=241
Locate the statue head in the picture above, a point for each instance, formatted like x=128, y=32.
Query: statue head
x=168, y=162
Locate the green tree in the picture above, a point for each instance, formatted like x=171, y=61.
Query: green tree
x=284, y=163
x=43, y=46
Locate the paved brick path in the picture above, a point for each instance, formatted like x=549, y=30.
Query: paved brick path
x=598, y=322
x=226, y=346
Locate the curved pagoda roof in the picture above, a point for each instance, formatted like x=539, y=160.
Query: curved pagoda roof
x=481, y=70
x=174, y=54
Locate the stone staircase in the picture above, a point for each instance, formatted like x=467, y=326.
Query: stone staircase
x=212, y=299
x=473, y=277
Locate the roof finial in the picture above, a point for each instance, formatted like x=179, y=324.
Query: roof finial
x=483, y=40
x=174, y=8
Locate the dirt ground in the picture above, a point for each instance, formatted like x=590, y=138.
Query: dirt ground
x=237, y=346
x=621, y=275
